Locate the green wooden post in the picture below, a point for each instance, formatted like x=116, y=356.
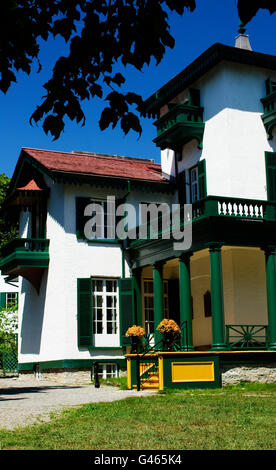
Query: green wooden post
x=158, y=298
x=218, y=327
x=270, y=253
x=185, y=299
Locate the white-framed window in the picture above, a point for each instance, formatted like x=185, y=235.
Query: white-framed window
x=149, y=305
x=107, y=370
x=194, y=191
x=11, y=299
x=105, y=303
x=101, y=224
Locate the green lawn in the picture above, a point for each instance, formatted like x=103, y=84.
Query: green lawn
x=240, y=417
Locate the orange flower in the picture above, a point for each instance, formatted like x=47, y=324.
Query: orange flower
x=135, y=331
x=167, y=325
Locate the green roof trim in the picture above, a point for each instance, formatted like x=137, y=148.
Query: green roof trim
x=206, y=61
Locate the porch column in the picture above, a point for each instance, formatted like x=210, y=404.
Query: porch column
x=185, y=299
x=218, y=327
x=158, y=297
x=270, y=253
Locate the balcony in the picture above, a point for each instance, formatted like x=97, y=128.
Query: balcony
x=269, y=116
x=179, y=125
x=226, y=208
x=26, y=257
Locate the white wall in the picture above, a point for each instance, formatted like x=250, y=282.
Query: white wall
x=234, y=139
x=48, y=323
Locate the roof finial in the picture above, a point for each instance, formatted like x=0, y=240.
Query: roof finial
x=242, y=28
x=242, y=40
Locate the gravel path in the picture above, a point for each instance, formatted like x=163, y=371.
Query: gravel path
x=26, y=401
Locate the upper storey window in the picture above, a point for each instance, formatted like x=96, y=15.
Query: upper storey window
x=270, y=86
x=194, y=193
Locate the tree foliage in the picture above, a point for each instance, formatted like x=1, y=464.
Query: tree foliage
x=248, y=8
x=9, y=329
x=8, y=226
x=101, y=34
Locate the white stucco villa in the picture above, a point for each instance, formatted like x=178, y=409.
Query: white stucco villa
x=216, y=129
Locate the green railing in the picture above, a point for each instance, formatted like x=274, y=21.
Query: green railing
x=269, y=116
x=269, y=102
x=179, y=125
x=9, y=363
x=25, y=245
x=179, y=114
x=211, y=206
x=246, y=337
x=234, y=207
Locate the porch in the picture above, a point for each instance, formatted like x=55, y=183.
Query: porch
x=222, y=297
x=197, y=369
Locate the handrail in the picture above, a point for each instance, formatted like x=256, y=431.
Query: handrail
x=27, y=244
x=247, y=336
x=221, y=206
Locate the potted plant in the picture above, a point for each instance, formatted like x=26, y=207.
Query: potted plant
x=170, y=330
x=135, y=333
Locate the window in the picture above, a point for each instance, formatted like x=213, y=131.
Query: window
x=149, y=306
x=108, y=370
x=105, y=311
x=95, y=219
x=11, y=299
x=207, y=304
x=194, y=193
x=270, y=86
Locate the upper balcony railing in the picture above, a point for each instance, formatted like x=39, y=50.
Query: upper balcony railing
x=25, y=245
x=210, y=206
x=24, y=252
x=179, y=125
x=269, y=116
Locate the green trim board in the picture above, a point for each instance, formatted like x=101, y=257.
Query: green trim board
x=70, y=363
x=199, y=67
x=25, y=253
x=229, y=231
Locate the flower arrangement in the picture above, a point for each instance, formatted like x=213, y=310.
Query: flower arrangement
x=168, y=326
x=136, y=331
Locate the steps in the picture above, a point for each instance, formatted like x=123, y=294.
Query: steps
x=151, y=382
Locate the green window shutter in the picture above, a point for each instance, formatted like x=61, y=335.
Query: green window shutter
x=81, y=203
x=3, y=300
x=202, y=186
x=126, y=304
x=84, y=293
x=270, y=160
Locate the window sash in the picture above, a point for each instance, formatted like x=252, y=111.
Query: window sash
x=194, y=188
x=105, y=306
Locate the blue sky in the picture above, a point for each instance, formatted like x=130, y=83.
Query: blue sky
x=211, y=22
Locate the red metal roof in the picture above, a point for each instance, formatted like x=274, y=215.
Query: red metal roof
x=97, y=164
